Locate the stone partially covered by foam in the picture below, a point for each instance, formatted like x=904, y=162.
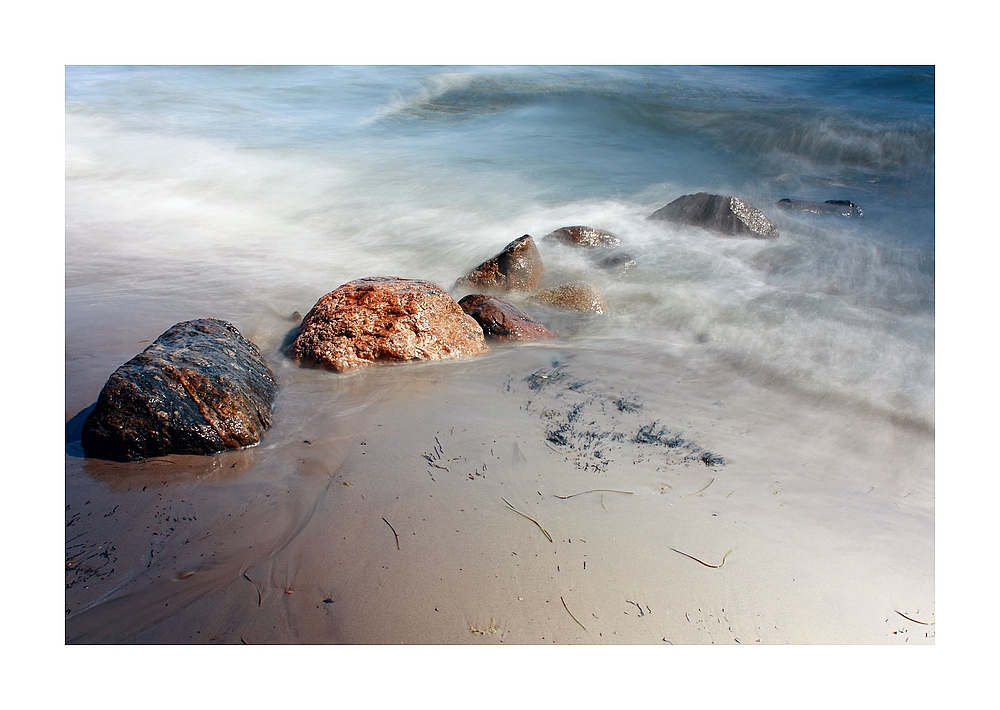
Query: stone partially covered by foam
x=718, y=213
x=577, y=296
x=517, y=268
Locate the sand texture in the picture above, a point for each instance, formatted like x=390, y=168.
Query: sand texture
x=393, y=506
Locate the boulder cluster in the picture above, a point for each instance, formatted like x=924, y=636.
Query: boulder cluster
x=202, y=388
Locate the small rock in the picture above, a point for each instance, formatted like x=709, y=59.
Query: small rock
x=718, y=213
x=574, y=296
x=502, y=320
x=200, y=388
x=620, y=262
x=583, y=237
x=836, y=207
x=517, y=268
x=384, y=318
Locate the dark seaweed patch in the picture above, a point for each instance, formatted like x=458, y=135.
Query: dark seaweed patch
x=589, y=431
x=557, y=435
x=710, y=459
x=630, y=404
x=662, y=437
x=539, y=380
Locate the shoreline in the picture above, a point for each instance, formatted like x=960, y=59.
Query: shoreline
x=829, y=514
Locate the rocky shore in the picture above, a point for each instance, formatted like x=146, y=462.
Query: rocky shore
x=202, y=388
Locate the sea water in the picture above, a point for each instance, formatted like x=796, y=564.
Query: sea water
x=246, y=193
x=274, y=185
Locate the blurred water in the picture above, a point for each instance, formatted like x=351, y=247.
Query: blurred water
x=248, y=192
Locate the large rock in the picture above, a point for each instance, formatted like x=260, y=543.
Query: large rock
x=836, y=207
x=587, y=237
x=517, y=268
x=502, y=320
x=573, y=296
x=385, y=319
x=718, y=213
x=200, y=388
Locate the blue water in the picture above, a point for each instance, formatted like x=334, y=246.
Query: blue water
x=256, y=190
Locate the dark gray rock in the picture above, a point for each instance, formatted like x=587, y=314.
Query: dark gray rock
x=834, y=207
x=718, y=213
x=200, y=388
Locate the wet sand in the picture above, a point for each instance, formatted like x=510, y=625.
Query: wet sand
x=374, y=510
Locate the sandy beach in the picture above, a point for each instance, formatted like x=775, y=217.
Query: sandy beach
x=739, y=451
x=819, y=527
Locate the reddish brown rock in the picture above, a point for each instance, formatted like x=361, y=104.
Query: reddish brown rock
x=574, y=296
x=517, y=268
x=502, y=320
x=200, y=388
x=719, y=213
x=587, y=237
x=385, y=319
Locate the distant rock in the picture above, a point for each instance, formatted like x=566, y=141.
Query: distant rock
x=502, y=320
x=517, y=268
x=574, y=296
x=587, y=237
x=718, y=213
x=384, y=319
x=836, y=207
x=200, y=388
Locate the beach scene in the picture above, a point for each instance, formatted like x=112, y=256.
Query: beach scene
x=588, y=355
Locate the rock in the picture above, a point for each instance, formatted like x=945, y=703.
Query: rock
x=583, y=237
x=502, y=320
x=620, y=262
x=384, y=319
x=837, y=207
x=517, y=268
x=574, y=296
x=718, y=213
x=200, y=388
x=597, y=242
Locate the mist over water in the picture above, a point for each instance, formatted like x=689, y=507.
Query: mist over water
x=251, y=192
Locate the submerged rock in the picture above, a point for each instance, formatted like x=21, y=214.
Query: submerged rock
x=577, y=296
x=587, y=237
x=837, y=207
x=517, y=268
x=619, y=261
x=502, y=320
x=385, y=319
x=718, y=213
x=597, y=243
x=200, y=388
